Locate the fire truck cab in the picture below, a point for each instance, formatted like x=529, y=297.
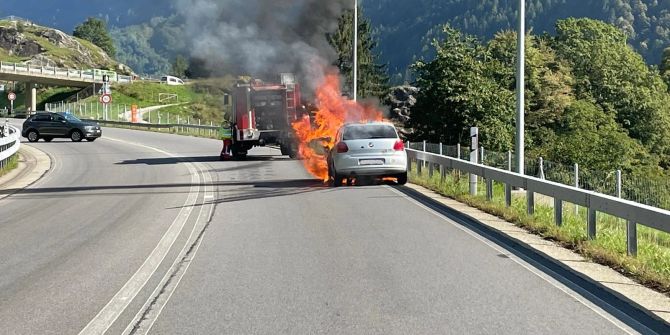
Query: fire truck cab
x=263, y=114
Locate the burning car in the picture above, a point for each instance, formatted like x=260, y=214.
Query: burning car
x=367, y=150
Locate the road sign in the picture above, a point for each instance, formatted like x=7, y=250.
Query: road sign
x=106, y=99
x=11, y=96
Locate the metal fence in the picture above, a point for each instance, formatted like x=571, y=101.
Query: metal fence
x=634, y=213
x=120, y=115
x=648, y=190
x=9, y=143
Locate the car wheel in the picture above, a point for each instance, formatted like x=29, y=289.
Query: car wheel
x=91, y=139
x=76, y=136
x=48, y=139
x=33, y=136
x=402, y=178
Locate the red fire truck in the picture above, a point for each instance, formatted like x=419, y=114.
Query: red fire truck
x=263, y=114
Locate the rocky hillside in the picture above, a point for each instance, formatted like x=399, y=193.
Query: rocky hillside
x=26, y=42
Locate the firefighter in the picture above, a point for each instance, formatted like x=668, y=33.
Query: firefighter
x=226, y=135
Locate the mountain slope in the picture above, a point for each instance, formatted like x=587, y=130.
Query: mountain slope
x=25, y=42
x=403, y=26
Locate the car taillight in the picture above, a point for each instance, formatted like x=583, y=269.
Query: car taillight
x=399, y=146
x=342, y=148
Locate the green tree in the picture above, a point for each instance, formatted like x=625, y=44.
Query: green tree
x=611, y=72
x=95, y=31
x=372, y=76
x=591, y=137
x=457, y=91
x=179, y=67
x=665, y=66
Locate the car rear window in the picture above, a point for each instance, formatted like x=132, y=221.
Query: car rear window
x=368, y=131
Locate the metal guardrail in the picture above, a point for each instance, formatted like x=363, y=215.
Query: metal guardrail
x=172, y=127
x=9, y=143
x=157, y=125
x=633, y=212
x=60, y=73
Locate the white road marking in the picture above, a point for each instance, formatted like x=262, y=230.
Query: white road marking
x=147, y=316
x=108, y=315
x=567, y=290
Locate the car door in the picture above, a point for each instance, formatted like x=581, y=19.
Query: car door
x=61, y=127
x=42, y=122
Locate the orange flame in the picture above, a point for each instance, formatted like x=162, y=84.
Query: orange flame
x=334, y=111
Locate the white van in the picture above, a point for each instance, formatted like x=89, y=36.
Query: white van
x=170, y=80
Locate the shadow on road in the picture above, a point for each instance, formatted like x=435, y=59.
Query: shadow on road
x=169, y=160
x=200, y=159
x=272, y=187
x=619, y=306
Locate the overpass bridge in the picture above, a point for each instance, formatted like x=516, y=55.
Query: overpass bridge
x=55, y=76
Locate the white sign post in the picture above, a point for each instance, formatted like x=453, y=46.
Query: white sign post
x=105, y=99
x=11, y=96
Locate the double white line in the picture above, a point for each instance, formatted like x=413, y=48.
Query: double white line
x=118, y=304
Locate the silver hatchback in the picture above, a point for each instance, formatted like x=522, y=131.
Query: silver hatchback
x=366, y=150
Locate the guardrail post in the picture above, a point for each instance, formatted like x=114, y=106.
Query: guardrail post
x=489, y=189
x=631, y=238
x=508, y=187
x=558, y=211
x=577, y=186
x=530, y=202
x=591, y=224
x=631, y=227
x=443, y=171
x=431, y=169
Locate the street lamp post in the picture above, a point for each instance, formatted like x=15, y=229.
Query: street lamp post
x=520, y=88
x=355, y=50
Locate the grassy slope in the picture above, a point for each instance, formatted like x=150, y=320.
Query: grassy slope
x=201, y=100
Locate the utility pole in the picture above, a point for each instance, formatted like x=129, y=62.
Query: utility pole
x=520, y=88
x=355, y=50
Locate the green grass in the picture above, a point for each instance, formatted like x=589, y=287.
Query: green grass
x=11, y=165
x=6, y=57
x=202, y=100
x=651, y=267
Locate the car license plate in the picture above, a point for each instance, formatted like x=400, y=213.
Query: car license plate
x=371, y=162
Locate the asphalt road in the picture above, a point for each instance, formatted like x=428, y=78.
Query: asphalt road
x=145, y=232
